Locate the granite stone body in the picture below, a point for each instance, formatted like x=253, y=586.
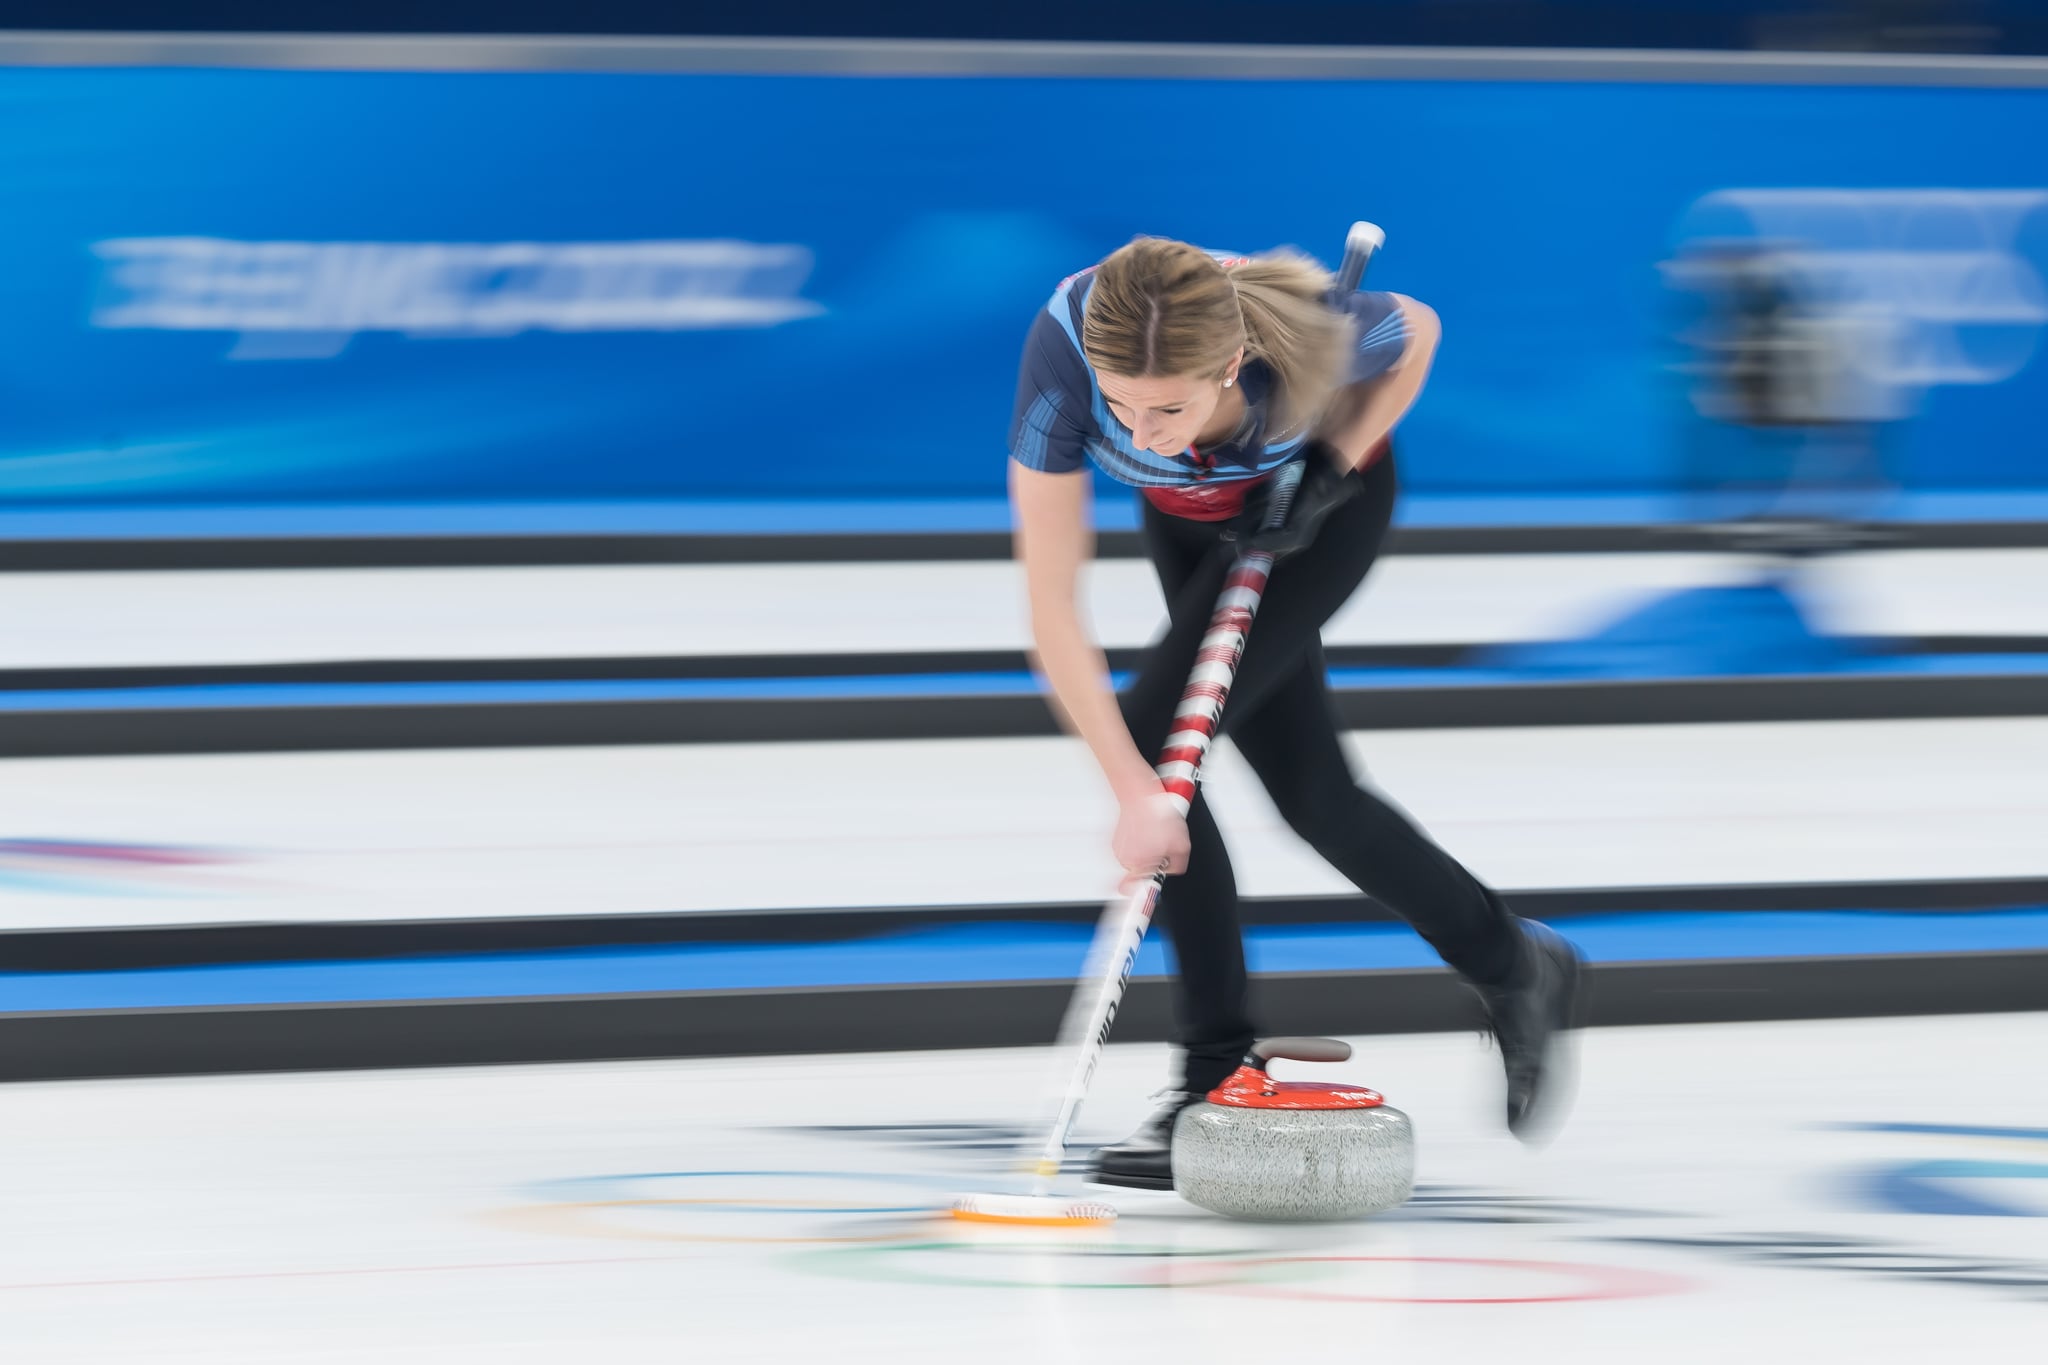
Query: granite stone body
x=1293, y=1165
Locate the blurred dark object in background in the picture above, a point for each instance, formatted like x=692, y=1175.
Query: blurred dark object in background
x=1789, y=369
x=1791, y=356
x=1776, y=347
x=1936, y=26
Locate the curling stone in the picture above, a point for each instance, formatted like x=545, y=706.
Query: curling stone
x=1289, y=1151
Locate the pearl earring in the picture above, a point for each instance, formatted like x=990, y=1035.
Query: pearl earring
x=1228, y=382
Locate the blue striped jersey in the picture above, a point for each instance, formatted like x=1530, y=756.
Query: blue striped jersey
x=1061, y=421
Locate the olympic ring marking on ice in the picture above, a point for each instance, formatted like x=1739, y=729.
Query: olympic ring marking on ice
x=1175, y=1268
x=1607, y=1282
x=576, y=1185
x=1922, y=1187
x=1603, y=1282
x=1926, y=1186
x=573, y=1220
x=1978, y=1130
x=750, y=1205
x=574, y=1217
x=552, y=1191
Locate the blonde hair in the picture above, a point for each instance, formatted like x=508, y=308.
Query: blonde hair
x=1160, y=307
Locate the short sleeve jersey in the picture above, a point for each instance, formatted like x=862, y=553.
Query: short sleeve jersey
x=1061, y=421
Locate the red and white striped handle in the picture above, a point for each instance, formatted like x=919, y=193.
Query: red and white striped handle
x=1201, y=701
x=1114, y=953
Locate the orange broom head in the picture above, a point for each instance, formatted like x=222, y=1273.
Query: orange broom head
x=1033, y=1210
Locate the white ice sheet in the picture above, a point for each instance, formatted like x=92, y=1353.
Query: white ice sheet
x=485, y=833
x=1717, y=1195
x=282, y=616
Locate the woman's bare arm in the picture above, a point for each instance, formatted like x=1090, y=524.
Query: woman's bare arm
x=1055, y=541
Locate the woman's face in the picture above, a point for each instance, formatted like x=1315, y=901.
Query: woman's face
x=1164, y=413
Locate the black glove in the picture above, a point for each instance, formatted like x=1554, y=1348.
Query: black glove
x=1325, y=486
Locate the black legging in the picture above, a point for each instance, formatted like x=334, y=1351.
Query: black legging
x=1281, y=717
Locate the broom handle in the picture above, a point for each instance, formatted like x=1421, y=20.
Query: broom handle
x=1114, y=953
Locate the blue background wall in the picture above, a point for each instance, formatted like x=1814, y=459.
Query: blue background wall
x=941, y=212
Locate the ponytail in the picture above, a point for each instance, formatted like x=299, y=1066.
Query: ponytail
x=1289, y=324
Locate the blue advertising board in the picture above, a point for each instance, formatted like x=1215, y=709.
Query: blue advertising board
x=232, y=286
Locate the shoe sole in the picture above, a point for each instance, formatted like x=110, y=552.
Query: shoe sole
x=1130, y=1182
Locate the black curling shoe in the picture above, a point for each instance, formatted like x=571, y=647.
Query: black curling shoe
x=1526, y=1016
x=1144, y=1160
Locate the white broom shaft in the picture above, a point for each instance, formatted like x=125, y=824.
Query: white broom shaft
x=1114, y=952
x=1090, y=1012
